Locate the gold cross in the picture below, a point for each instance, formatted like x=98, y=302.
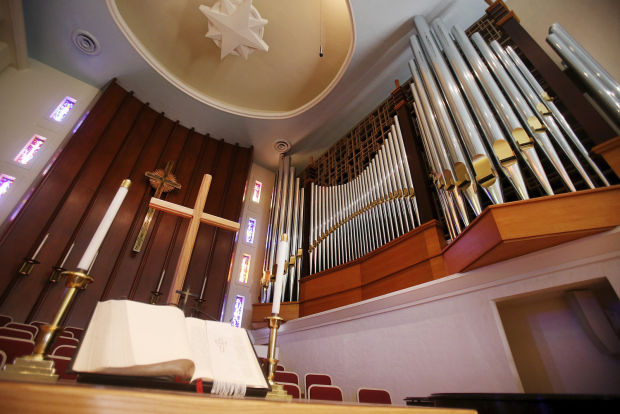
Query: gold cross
x=162, y=182
x=196, y=216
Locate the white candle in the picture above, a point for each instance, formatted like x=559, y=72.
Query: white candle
x=34, y=256
x=91, y=251
x=161, y=280
x=92, y=263
x=67, y=255
x=283, y=248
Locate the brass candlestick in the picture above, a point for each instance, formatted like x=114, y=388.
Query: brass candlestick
x=26, y=267
x=34, y=367
x=277, y=391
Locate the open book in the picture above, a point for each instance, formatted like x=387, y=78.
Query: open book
x=132, y=339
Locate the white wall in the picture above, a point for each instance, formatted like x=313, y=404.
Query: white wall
x=595, y=24
x=29, y=96
x=445, y=335
x=260, y=212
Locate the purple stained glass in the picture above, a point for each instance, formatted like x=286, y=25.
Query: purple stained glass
x=238, y=312
x=249, y=233
x=258, y=186
x=62, y=110
x=27, y=153
x=5, y=183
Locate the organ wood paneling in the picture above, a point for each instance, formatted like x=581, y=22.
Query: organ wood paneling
x=123, y=138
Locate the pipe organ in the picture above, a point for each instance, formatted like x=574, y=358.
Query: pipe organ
x=287, y=201
x=489, y=133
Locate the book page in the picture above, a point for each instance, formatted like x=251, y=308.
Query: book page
x=132, y=338
x=230, y=355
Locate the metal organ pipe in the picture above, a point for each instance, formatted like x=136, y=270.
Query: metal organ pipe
x=520, y=138
x=537, y=130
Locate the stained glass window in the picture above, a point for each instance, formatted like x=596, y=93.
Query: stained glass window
x=238, y=312
x=245, y=268
x=258, y=186
x=249, y=233
x=62, y=110
x=5, y=183
x=27, y=153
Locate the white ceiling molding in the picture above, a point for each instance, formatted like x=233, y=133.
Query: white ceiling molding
x=237, y=107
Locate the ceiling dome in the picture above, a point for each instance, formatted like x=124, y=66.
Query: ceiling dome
x=287, y=80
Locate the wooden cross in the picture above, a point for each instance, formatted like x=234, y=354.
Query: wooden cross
x=162, y=182
x=196, y=216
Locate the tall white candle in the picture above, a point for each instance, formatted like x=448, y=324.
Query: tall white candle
x=161, y=280
x=64, y=260
x=34, y=256
x=91, y=251
x=283, y=248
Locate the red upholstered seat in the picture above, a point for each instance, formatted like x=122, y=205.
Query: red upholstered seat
x=66, y=351
x=24, y=327
x=321, y=379
x=38, y=324
x=280, y=367
x=4, y=319
x=325, y=392
x=15, y=333
x=15, y=347
x=286, y=376
x=64, y=340
x=75, y=332
x=291, y=389
x=60, y=365
x=373, y=396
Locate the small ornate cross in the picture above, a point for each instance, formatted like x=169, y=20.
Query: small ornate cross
x=162, y=181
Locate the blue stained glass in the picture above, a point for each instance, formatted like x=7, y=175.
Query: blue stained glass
x=238, y=312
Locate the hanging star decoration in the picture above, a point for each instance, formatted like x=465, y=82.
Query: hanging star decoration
x=236, y=27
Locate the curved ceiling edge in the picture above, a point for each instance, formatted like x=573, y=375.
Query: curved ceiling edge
x=218, y=104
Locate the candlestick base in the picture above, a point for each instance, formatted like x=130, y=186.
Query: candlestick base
x=56, y=273
x=29, y=368
x=26, y=267
x=277, y=391
x=155, y=294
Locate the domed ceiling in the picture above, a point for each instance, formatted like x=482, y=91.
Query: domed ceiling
x=283, y=82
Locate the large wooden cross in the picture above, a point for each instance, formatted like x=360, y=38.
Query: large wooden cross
x=196, y=216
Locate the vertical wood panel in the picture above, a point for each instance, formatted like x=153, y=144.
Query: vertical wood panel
x=20, y=238
x=122, y=138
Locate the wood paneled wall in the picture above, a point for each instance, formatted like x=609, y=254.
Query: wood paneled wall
x=123, y=138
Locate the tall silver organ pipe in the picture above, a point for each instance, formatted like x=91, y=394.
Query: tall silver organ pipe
x=548, y=103
x=536, y=129
x=517, y=132
x=485, y=173
x=463, y=177
x=285, y=218
x=352, y=219
x=536, y=103
x=494, y=134
x=605, y=89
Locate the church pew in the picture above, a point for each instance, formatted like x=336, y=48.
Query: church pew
x=15, y=347
x=373, y=396
x=24, y=327
x=292, y=389
x=66, y=351
x=325, y=392
x=63, y=340
x=61, y=364
x=319, y=379
x=286, y=376
x=75, y=332
x=15, y=333
x=4, y=319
